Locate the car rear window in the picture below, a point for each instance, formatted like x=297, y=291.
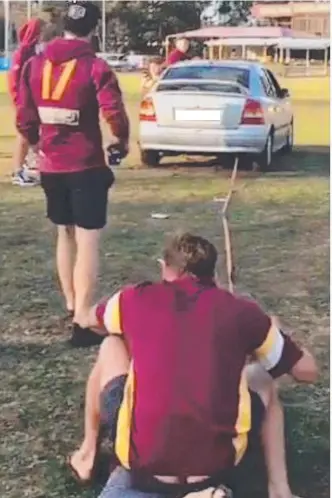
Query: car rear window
x=199, y=86
x=205, y=72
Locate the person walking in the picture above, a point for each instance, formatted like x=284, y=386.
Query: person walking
x=61, y=93
x=23, y=157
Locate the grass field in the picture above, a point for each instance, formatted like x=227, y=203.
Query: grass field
x=281, y=240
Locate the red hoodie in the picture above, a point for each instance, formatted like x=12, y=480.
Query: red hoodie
x=28, y=36
x=61, y=93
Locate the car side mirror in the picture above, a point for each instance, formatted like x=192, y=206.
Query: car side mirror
x=284, y=93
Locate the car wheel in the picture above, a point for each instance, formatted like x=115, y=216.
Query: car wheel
x=150, y=158
x=265, y=159
x=290, y=139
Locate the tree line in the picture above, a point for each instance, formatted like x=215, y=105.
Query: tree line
x=143, y=25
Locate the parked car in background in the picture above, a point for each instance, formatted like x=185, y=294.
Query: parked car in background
x=138, y=61
x=219, y=108
x=119, y=62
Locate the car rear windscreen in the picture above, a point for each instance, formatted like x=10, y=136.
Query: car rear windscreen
x=199, y=86
x=205, y=72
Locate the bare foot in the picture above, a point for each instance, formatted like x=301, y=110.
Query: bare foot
x=81, y=463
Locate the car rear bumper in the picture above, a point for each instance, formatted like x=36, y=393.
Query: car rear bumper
x=247, y=139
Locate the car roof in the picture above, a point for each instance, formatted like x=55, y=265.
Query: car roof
x=222, y=63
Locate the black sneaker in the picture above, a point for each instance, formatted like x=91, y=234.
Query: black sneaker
x=84, y=338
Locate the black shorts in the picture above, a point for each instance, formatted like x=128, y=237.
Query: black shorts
x=79, y=198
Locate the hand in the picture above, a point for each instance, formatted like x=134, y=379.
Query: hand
x=122, y=145
x=124, y=148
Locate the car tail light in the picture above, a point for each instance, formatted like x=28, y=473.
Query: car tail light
x=252, y=113
x=147, y=111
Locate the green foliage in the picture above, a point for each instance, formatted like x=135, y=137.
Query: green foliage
x=230, y=13
x=143, y=25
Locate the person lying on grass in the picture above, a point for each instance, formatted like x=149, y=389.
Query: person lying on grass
x=173, y=386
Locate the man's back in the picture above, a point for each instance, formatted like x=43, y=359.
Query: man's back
x=188, y=348
x=68, y=85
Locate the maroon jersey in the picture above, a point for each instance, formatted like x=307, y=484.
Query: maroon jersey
x=187, y=409
x=61, y=93
x=176, y=56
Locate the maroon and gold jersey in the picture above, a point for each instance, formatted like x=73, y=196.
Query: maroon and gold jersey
x=187, y=408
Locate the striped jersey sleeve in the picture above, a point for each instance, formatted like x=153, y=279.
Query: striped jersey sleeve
x=273, y=349
x=108, y=312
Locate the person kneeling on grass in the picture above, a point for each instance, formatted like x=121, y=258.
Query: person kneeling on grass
x=61, y=93
x=173, y=386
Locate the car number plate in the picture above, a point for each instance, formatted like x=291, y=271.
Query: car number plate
x=209, y=115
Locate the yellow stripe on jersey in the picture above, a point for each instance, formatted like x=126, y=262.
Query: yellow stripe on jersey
x=243, y=422
x=47, y=80
x=63, y=82
x=123, y=431
x=66, y=76
x=112, y=315
x=270, y=352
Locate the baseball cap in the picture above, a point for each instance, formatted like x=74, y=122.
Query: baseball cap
x=81, y=18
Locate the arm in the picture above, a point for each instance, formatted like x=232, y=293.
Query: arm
x=272, y=348
x=14, y=75
x=105, y=315
x=13, y=81
x=110, y=101
x=27, y=118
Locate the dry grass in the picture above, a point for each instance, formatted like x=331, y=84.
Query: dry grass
x=281, y=237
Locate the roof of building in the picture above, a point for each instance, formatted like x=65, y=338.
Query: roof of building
x=304, y=43
x=243, y=32
x=239, y=42
x=292, y=43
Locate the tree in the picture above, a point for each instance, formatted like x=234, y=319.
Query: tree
x=228, y=13
x=143, y=25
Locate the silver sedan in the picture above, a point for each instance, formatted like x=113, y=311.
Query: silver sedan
x=218, y=108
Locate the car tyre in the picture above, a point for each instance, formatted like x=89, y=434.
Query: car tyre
x=265, y=159
x=150, y=158
x=290, y=139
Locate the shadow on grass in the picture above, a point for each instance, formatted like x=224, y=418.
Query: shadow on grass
x=305, y=161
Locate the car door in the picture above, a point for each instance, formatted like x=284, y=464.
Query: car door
x=284, y=105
